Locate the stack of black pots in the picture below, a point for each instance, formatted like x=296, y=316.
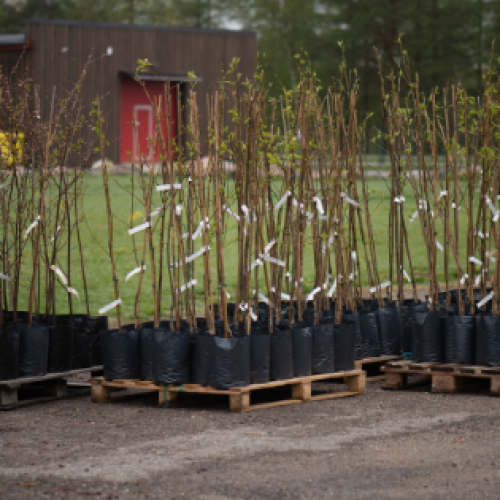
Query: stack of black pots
x=71, y=343
x=231, y=359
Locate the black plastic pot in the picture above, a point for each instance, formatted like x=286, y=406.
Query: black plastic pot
x=171, y=357
x=406, y=324
x=359, y=339
x=96, y=325
x=80, y=340
x=33, y=349
x=427, y=337
x=487, y=340
x=389, y=330
x=60, y=339
x=146, y=352
x=322, y=349
x=369, y=333
x=260, y=357
x=281, y=355
x=345, y=343
x=230, y=362
x=460, y=339
x=120, y=354
x=9, y=352
x=302, y=351
x=201, y=358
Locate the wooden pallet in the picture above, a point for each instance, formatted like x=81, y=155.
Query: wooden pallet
x=379, y=362
x=446, y=377
x=53, y=386
x=239, y=397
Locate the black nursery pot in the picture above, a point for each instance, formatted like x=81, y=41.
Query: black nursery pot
x=344, y=343
x=230, y=362
x=80, y=340
x=389, y=330
x=281, y=355
x=201, y=359
x=260, y=357
x=427, y=337
x=406, y=324
x=9, y=352
x=460, y=339
x=302, y=351
x=60, y=339
x=33, y=349
x=369, y=333
x=120, y=353
x=487, y=339
x=322, y=349
x=171, y=361
x=146, y=352
x=96, y=325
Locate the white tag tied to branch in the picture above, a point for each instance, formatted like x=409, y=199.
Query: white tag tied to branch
x=5, y=277
x=332, y=289
x=399, y=199
x=55, y=234
x=243, y=307
x=385, y=284
x=349, y=200
x=255, y=263
x=74, y=292
x=319, y=206
x=245, y=210
x=284, y=295
x=494, y=211
x=202, y=225
x=464, y=277
x=189, y=284
x=442, y=194
x=439, y=246
x=330, y=242
x=253, y=315
x=264, y=299
x=272, y=260
x=282, y=200
x=135, y=271
x=60, y=274
x=155, y=212
x=178, y=210
x=473, y=260
x=414, y=216
x=485, y=299
x=236, y=217
x=138, y=228
x=313, y=293
x=269, y=246
x=405, y=274
x=197, y=254
x=105, y=309
x=478, y=277
x=168, y=187
x=32, y=226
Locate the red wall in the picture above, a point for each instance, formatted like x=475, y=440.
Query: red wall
x=136, y=105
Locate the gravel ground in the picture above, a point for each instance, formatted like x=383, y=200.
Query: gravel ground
x=384, y=444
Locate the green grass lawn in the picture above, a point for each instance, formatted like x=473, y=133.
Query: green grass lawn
x=98, y=269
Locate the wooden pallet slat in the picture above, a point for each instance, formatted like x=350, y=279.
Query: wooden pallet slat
x=445, y=377
x=239, y=397
x=54, y=386
x=380, y=361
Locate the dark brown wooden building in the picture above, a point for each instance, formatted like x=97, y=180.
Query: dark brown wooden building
x=57, y=51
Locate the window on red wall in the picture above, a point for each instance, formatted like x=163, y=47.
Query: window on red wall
x=136, y=107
